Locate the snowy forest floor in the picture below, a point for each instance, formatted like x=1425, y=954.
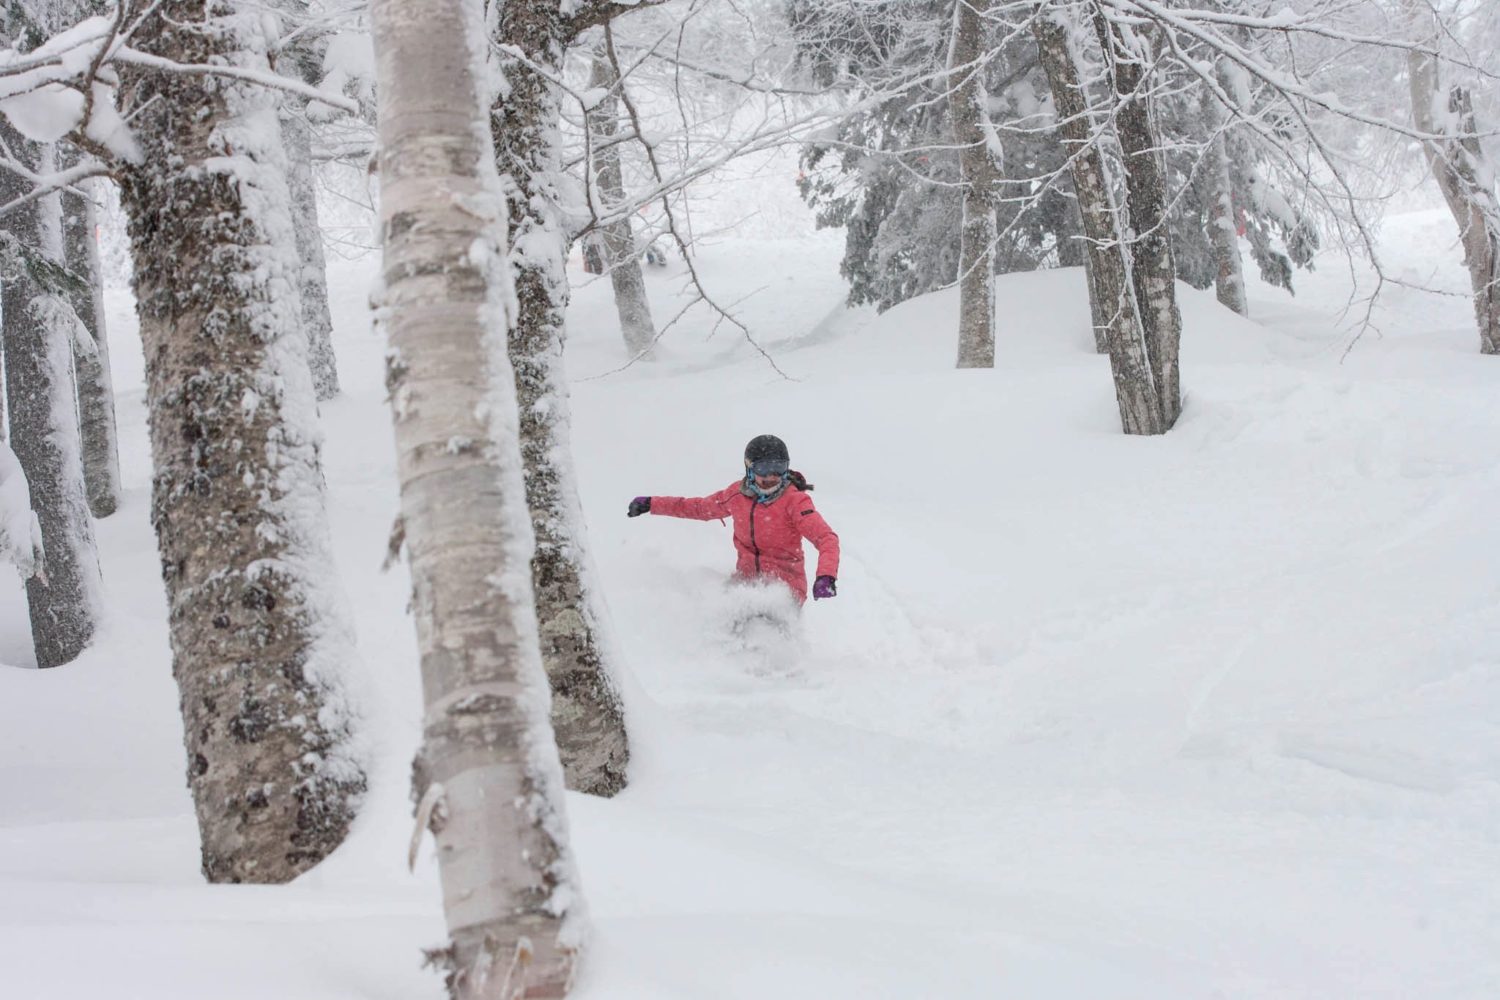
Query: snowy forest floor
x=1210, y=715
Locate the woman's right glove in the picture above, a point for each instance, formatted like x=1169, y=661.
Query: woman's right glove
x=639, y=506
x=824, y=586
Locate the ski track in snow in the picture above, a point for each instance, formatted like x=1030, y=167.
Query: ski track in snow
x=1211, y=715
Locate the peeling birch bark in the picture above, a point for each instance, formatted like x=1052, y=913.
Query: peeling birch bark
x=509, y=891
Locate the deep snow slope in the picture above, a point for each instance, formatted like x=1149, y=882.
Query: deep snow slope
x=1209, y=715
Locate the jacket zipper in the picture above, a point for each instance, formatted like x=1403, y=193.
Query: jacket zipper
x=753, y=546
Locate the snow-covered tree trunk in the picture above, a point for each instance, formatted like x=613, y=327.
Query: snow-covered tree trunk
x=621, y=255
x=488, y=778
x=39, y=333
x=1463, y=173
x=1100, y=310
x=980, y=176
x=1113, y=302
x=260, y=636
x=580, y=660
x=20, y=529
x=1153, y=274
x=96, y=394
x=302, y=58
x=1229, y=274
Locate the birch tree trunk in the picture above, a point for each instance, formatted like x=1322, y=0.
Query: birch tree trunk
x=621, y=256
x=302, y=58
x=1152, y=270
x=261, y=643
x=96, y=394
x=586, y=713
x=1229, y=276
x=1112, y=311
x=980, y=176
x=1114, y=301
x=64, y=599
x=488, y=776
x=1463, y=173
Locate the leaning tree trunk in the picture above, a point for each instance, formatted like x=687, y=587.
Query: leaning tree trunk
x=261, y=641
x=1229, y=274
x=621, y=255
x=1104, y=266
x=586, y=712
x=489, y=779
x=1467, y=181
x=303, y=59
x=980, y=177
x=1112, y=301
x=64, y=599
x=1152, y=270
x=96, y=394
x=1101, y=309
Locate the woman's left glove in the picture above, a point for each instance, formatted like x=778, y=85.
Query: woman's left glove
x=825, y=586
x=639, y=506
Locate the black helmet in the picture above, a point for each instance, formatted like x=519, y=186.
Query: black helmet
x=767, y=454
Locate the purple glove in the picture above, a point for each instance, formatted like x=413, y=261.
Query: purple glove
x=823, y=587
x=638, y=506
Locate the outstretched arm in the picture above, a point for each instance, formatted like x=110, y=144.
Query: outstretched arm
x=714, y=507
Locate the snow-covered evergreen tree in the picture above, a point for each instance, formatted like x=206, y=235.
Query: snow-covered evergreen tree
x=1218, y=198
x=260, y=639
x=40, y=333
x=489, y=783
x=889, y=174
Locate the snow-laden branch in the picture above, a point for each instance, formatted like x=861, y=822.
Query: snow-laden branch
x=1288, y=21
x=751, y=83
x=64, y=88
x=595, y=13
x=702, y=294
x=1281, y=83
x=275, y=81
x=792, y=129
x=48, y=183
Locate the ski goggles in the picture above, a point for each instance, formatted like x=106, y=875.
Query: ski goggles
x=769, y=467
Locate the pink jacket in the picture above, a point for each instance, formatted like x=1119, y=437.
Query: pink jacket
x=767, y=537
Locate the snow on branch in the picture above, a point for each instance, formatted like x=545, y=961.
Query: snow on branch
x=45, y=184
x=64, y=89
x=596, y=13
x=275, y=81
x=1297, y=93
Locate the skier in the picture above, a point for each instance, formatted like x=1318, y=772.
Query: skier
x=772, y=513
